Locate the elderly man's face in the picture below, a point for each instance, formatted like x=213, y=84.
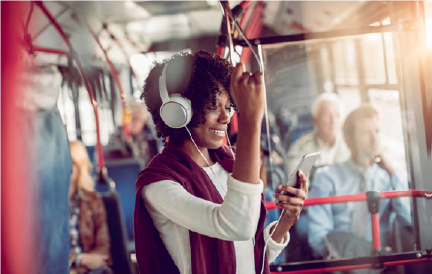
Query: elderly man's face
x=328, y=121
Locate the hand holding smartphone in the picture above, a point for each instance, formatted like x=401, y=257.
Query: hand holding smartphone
x=305, y=165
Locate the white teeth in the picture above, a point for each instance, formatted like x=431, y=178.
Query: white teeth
x=218, y=132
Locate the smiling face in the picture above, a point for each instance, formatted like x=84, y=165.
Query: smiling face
x=211, y=133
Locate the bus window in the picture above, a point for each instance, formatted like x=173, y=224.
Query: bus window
x=358, y=70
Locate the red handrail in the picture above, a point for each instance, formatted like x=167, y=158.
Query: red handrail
x=101, y=163
x=358, y=197
x=122, y=49
x=53, y=51
x=113, y=72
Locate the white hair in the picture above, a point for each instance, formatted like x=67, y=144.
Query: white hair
x=323, y=98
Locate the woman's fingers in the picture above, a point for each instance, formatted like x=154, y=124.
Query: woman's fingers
x=299, y=193
x=292, y=209
x=303, y=181
x=257, y=76
x=238, y=70
x=288, y=199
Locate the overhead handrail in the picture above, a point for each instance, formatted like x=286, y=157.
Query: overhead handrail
x=101, y=162
x=122, y=49
x=112, y=69
x=49, y=50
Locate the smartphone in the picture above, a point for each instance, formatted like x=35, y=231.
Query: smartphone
x=305, y=165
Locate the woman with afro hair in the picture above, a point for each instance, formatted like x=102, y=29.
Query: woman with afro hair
x=198, y=206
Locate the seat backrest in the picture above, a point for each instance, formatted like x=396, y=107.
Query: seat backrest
x=124, y=174
x=119, y=251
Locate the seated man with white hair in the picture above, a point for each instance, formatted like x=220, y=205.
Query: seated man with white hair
x=326, y=138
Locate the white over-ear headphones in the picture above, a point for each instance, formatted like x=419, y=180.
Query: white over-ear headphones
x=176, y=110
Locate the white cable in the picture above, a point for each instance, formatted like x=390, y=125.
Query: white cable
x=229, y=143
x=265, y=246
x=220, y=182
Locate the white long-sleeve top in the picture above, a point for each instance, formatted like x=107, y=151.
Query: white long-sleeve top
x=175, y=211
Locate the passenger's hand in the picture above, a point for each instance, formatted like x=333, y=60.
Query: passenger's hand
x=384, y=163
x=248, y=93
x=93, y=260
x=293, y=205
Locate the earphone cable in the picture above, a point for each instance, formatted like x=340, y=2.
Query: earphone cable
x=229, y=143
x=214, y=173
x=265, y=246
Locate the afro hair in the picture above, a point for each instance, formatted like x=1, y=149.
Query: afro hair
x=196, y=77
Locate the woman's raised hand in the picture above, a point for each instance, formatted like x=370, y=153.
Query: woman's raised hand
x=248, y=93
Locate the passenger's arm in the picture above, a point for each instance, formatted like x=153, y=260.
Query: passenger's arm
x=248, y=93
x=320, y=216
x=102, y=241
x=226, y=221
x=100, y=255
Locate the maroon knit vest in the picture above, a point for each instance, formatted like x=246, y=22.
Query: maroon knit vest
x=208, y=255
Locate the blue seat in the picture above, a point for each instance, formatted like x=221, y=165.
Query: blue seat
x=124, y=173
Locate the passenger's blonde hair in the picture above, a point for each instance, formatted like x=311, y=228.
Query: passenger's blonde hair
x=364, y=111
x=81, y=160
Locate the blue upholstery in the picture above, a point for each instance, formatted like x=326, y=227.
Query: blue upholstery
x=124, y=174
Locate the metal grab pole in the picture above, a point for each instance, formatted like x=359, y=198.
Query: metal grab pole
x=122, y=49
x=53, y=51
x=101, y=162
x=113, y=72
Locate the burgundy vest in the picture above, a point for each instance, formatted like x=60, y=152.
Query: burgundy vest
x=208, y=255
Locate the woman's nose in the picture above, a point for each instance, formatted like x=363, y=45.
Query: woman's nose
x=224, y=117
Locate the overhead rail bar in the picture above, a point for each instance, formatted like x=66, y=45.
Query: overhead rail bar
x=312, y=36
x=122, y=49
x=49, y=24
x=49, y=50
x=101, y=162
x=225, y=9
x=112, y=69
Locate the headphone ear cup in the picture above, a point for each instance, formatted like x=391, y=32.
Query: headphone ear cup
x=177, y=112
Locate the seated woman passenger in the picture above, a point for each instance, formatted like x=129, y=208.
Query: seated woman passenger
x=89, y=236
x=191, y=214
x=344, y=229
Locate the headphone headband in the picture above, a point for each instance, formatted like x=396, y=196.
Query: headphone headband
x=176, y=110
x=162, y=85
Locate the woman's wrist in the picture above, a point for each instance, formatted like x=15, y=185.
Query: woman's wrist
x=285, y=224
x=249, y=124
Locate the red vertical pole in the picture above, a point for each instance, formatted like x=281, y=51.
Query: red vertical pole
x=376, y=238
x=18, y=214
x=101, y=162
